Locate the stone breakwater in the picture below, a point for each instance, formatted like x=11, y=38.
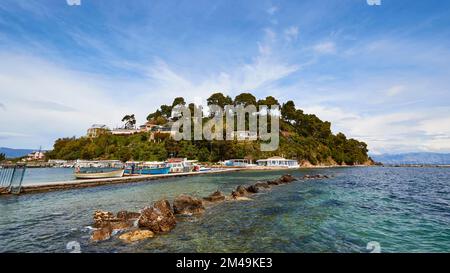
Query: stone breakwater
x=162, y=216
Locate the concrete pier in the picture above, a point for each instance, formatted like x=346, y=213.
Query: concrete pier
x=87, y=183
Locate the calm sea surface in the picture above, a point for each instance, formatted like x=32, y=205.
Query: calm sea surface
x=403, y=209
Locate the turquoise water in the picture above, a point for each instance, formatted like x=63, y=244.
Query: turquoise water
x=403, y=209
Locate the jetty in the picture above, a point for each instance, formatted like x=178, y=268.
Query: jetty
x=87, y=183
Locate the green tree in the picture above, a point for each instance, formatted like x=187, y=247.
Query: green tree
x=178, y=101
x=245, y=99
x=166, y=111
x=2, y=157
x=130, y=121
x=154, y=115
x=288, y=111
x=219, y=99
x=268, y=101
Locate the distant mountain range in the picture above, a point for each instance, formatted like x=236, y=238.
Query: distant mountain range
x=13, y=153
x=413, y=158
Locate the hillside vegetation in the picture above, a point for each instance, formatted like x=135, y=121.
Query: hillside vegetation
x=303, y=137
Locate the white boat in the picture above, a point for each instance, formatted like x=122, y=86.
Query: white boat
x=204, y=169
x=278, y=162
x=242, y=163
x=181, y=165
x=98, y=174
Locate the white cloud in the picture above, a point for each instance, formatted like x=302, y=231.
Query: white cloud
x=325, y=48
x=42, y=100
x=391, y=132
x=291, y=33
x=395, y=90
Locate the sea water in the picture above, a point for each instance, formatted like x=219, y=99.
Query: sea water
x=399, y=209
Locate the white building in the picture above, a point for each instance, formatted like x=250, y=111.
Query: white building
x=35, y=156
x=278, y=162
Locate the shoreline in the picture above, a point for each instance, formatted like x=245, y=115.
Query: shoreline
x=89, y=183
x=43, y=187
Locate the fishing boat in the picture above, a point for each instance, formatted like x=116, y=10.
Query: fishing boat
x=180, y=165
x=132, y=167
x=153, y=168
x=204, y=169
x=93, y=173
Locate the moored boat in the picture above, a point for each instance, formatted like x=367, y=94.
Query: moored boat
x=93, y=173
x=153, y=168
x=181, y=165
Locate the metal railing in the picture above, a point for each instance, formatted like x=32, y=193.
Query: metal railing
x=11, y=177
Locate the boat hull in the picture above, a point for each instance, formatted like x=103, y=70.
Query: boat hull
x=112, y=174
x=164, y=170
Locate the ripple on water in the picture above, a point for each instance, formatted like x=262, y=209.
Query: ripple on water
x=404, y=209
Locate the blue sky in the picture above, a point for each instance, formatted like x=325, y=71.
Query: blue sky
x=378, y=73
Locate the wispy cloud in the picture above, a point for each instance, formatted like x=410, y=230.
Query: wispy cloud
x=395, y=90
x=385, y=84
x=325, y=48
x=291, y=33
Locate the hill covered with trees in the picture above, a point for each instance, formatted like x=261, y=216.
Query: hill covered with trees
x=302, y=136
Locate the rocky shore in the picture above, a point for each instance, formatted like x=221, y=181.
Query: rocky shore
x=162, y=217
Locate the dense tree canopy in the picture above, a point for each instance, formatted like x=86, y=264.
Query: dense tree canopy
x=245, y=99
x=303, y=137
x=219, y=99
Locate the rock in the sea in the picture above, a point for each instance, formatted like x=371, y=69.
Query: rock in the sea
x=106, y=219
x=239, y=191
x=127, y=215
x=159, y=218
x=243, y=198
x=273, y=183
x=316, y=176
x=253, y=189
x=136, y=235
x=287, y=178
x=103, y=217
x=187, y=205
x=121, y=225
x=216, y=196
x=264, y=185
x=101, y=234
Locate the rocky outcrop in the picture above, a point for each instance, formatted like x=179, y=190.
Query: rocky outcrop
x=101, y=234
x=102, y=218
x=127, y=215
x=287, y=178
x=159, y=218
x=136, y=235
x=187, y=205
x=216, y=196
x=106, y=219
x=239, y=191
x=316, y=176
x=274, y=183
